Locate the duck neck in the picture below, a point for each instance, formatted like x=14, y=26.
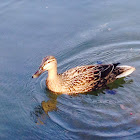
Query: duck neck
x=52, y=74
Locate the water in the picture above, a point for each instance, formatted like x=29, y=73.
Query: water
x=76, y=33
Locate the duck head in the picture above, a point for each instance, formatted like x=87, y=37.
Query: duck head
x=48, y=63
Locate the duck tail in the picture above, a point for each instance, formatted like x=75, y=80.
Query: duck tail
x=124, y=70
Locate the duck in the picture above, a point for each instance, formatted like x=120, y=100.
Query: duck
x=80, y=79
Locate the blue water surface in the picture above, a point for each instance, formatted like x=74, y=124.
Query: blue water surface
x=76, y=32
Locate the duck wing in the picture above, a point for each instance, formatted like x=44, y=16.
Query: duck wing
x=78, y=79
x=88, y=72
x=84, y=78
x=107, y=69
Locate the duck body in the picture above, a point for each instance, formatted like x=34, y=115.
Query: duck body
x=82, y=78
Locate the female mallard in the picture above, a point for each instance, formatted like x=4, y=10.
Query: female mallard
x=82, y=78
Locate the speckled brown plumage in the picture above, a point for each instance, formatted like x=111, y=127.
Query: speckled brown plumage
x=82, y=78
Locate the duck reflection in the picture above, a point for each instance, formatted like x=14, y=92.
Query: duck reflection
x=50, y=105
x=110, y=88
x=40, y=112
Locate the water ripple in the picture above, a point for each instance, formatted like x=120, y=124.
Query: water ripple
x=105, y=114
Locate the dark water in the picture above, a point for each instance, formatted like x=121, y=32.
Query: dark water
x=76, y=33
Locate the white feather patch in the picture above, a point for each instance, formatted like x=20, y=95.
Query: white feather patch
x=128, y=71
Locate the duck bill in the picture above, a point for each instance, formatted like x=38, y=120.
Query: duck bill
x=37, y=74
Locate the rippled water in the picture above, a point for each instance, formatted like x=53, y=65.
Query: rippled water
x=76, y=33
